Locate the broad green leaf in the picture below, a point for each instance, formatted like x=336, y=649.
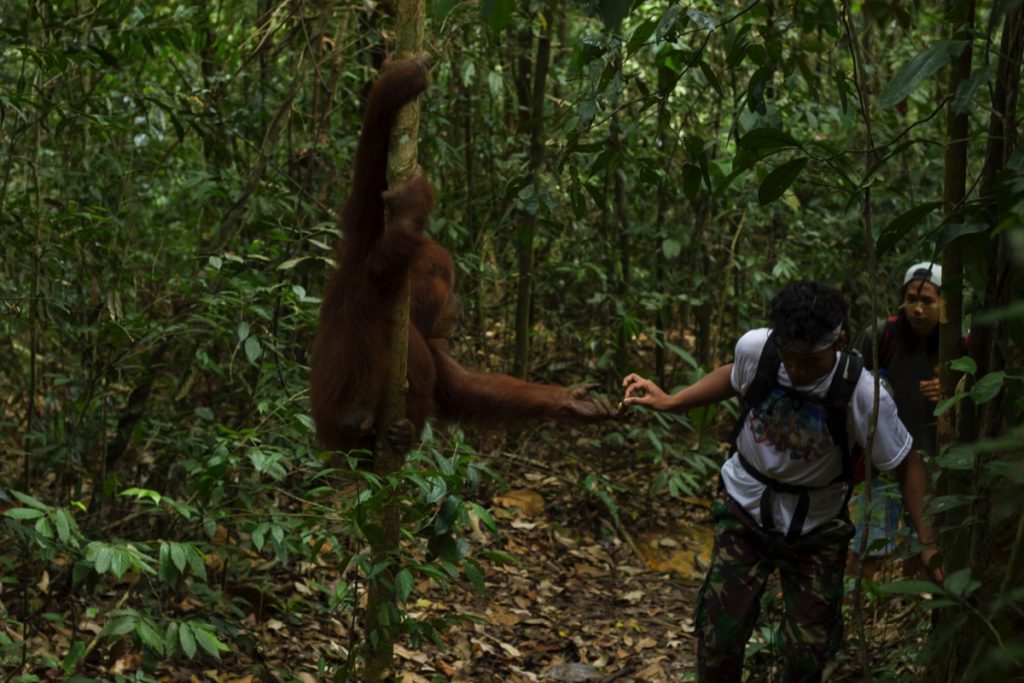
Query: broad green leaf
x=612, y=12
x=956, y=459
x=640, y=36
x=1011, y=470
x=763, y=139
x=910, y=75
x=779, y=180
x=959, y=583
x=243, y=331
x=956, y=230
x=485, y=516
x=187, y=640
x=62, y=521
x=988, y=387
x=44, y=528
x=497, y=13
x=253, y=350
x=404, y=583
x=178, y=557
x=475, y=574
x=671, y=248
x=901, y=225
x=691, y=181
x=701, y=19
x=439, y=9
x=30, y=501
x=948, y=403
x=208, y=641
x=965, y=91
x=23, y=513
x=943, y=503
x=291, y=263
x=103, y=560
x=1014, y=311
x=964, y=364
x=149, y=637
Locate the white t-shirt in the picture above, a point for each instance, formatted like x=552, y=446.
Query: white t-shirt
x=792, y=445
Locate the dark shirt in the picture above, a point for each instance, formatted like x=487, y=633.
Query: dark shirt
x=913, y=360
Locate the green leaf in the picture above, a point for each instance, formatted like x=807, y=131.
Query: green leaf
x=964, y=364
x=901, y=225
x=909, y=587
x=959, y=583
x=195, y=562
x=910, y=75
x=484, y=516
x=956, y=458
x=956, y=230
x=187, y=640
x=612, y=12
x=23, y=513
x=765, y=139
x=171, y=640
x=1012, y=312
x=948, y=403
x=988, y=387
x=30, y=501
x=63, y=523
x=404, y=583
x=671, y=248
x=121, y=561
x=965, y=91
x=103, y=560
x=253, y=350
x=44, y=528
x=178, y=557
x=243, y=331
x=779, y=180
x=475, y=574
x=943, y=503
x=149, y=637
x=291, y=263
x=497, y=14
x=640, y=36
x=208, y=641
x=691, y=181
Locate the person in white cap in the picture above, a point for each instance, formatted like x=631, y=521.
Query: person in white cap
x=908, y=359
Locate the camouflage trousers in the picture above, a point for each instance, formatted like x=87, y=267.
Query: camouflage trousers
x=744, y=557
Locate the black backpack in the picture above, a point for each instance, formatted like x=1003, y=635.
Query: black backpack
x=835, y=403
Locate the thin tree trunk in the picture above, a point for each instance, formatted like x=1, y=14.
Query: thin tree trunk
x=381, y=613
x=955, y=540
x=533, y=112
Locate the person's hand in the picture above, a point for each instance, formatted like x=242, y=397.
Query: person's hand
x=929, y=554
x=643, y=392
x=930, y=389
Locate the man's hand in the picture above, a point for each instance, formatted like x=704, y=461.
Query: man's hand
x=928, y=555
x=930, y=389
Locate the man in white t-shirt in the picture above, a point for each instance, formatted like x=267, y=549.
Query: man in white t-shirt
x=785, y=488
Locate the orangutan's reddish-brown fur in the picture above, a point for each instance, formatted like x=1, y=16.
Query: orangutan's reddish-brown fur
x=350, y=362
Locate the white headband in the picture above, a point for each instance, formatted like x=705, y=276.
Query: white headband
x=801, y=346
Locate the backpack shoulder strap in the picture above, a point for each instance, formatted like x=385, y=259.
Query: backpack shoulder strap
x=840, y=391
x=765, y=378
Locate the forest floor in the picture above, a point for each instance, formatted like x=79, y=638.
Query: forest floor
x=589, y=598
x=587, y=601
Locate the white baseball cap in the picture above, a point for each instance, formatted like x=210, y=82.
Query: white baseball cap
x=926, y=272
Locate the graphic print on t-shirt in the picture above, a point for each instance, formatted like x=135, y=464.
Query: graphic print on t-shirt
x=791, y=425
